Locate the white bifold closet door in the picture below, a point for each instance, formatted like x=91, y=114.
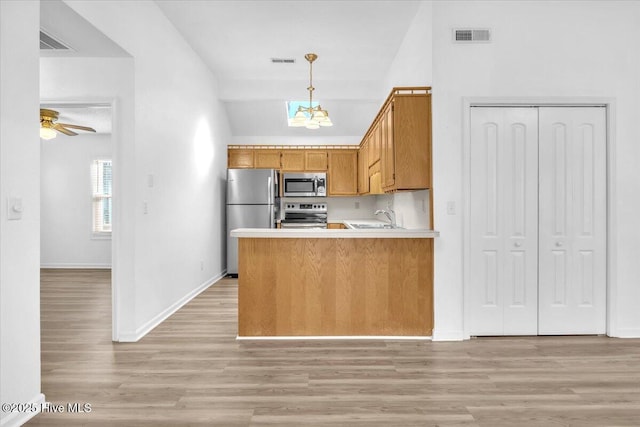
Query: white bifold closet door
x=572, y=210
x=504, y=221
x=538, y=220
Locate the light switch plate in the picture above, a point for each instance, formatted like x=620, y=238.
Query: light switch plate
x=14, y=208
x=451, y=208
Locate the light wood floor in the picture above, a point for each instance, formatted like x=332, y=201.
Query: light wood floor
x=191, y=371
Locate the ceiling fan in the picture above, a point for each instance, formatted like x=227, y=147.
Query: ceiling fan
x=48, y=125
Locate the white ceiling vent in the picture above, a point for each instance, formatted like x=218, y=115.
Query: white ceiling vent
x=47, y=42
x=472, y=35
x=283, y=60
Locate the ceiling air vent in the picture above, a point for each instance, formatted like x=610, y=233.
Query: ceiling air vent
x=283, y=60
x=472, y=35
x=49, y=43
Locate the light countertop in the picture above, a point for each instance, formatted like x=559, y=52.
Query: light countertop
x=349, y=233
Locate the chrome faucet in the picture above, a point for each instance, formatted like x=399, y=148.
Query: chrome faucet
x=390, y=214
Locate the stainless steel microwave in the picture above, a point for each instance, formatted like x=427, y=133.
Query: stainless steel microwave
x=305, y=184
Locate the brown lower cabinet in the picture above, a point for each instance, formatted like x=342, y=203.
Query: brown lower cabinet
x=335, y=287
x=336, y=226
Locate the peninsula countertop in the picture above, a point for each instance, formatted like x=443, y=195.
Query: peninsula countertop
x=296, y=233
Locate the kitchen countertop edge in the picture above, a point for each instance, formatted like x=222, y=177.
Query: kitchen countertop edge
x=295, y=233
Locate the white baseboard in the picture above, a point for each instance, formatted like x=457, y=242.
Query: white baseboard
x=339, y=337
x=16, y=419
x=133, y=336
x=626, y=333
x=75, y=266
x=447, y=335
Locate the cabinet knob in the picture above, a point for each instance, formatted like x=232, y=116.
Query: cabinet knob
x=558, y=244
x=517, y=244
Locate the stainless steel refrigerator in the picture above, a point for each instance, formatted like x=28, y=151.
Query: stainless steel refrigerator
x=252, y=202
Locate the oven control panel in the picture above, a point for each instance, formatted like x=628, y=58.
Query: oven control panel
x=305, y=207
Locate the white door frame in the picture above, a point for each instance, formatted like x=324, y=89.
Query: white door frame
x=609, y=104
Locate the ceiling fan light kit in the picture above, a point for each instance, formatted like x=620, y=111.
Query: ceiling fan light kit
x=48, y=125
x=311, y=117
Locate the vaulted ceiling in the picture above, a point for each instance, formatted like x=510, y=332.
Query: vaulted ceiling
x=356, y=42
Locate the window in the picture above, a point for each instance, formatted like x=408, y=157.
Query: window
x=292, y=108
x=101, y=189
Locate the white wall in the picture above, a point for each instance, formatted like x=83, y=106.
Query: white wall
x=66, y=237
x=181, y=132
x=310, y=139
x=539, y=49
x=19, y=239
x=412, y=65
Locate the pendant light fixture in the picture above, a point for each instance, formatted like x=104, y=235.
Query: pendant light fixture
x=311, y=117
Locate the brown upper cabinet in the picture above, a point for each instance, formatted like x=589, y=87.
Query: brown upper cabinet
x=394, y=155
x=292, y=160
x=315, y=160
x=363, y=168
x=239, y=158
x=387, y=151
x=343, y=173
x=374, y=144
x=266, y=159
x=402, y=129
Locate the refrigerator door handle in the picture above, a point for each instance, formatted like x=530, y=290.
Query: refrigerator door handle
x=269, y=198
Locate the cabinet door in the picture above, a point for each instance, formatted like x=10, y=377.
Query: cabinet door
x=375, y=179
x=374, y=145
x=387, y=153
x=239, y=158
x=292, y=160
x=411, y=133
x=343, y=173
x=315, y=160
x=363, y=169
x=267, y=159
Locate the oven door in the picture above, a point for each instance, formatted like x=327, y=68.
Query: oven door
x=303, y=225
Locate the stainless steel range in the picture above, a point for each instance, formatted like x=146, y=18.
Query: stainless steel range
x=304, y=215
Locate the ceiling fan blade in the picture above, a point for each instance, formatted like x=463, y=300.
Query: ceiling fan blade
x=88, y=129
x=62, y=129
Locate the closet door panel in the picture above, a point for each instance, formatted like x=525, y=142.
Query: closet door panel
x=503, y=221
x=572, y=283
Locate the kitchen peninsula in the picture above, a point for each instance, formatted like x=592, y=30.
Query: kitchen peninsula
x=344, y=282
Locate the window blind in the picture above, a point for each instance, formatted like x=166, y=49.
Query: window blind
x=101, y=174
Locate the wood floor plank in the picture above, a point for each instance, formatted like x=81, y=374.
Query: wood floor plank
x=191, y=371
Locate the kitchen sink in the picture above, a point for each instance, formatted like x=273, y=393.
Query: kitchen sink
x=372, y=226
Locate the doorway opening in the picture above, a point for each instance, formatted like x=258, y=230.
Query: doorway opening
x=76, y=194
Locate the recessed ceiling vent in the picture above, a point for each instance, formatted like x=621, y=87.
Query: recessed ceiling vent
x=49, y=43
x=283, y=60
x=472, y=35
